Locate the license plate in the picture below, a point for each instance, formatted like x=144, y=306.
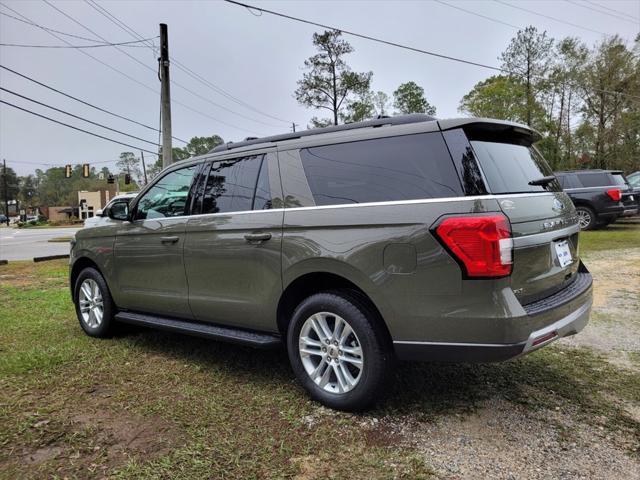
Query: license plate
x=564, y=253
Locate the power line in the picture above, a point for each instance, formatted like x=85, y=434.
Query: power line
x=129, y=77
x=154, y=71
x=98, y=45
x=491, y=19
x=618, y=17
x=123, y=26
x=75, y=128
x=366, y=37
x=398, y=45
x=85, y=102
x=76, y=116
x=614, y=10
x=33, y=24
x=549, y=17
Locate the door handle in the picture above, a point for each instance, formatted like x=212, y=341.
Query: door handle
x=169, y=239
x=257, y=237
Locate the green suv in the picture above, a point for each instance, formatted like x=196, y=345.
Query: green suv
x=406, y=238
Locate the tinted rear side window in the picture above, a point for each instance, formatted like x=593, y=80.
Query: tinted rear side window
x=594, y=179
x=231, y=184
x=385, y=169
x=618, y=179
x=509, y=168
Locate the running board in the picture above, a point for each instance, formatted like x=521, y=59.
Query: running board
x=205, y=330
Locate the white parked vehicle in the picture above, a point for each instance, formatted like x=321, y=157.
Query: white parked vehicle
x=100, y=215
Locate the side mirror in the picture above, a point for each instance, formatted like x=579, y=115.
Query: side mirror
x=119, y=211
x=99, y=213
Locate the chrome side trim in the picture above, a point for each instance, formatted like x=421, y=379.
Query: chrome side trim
x=545, y=237
x=367, y=204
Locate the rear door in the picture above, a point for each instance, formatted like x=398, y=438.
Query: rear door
x=543, y=220
x=233, y=243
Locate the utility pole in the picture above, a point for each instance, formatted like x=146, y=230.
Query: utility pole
x=293, y=126
x=6, y=190
x=165, y=97
x=144, y=167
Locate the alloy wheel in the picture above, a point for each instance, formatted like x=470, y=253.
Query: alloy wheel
x=90, y=301
x=584, y=218
x=331, y=352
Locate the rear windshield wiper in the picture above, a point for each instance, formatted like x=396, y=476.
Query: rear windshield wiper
x=543, y=182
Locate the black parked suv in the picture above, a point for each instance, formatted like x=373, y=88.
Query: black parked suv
x=600, y=196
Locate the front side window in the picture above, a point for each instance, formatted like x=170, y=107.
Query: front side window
x=408, y=167
x=231, y=185
x=168, y=196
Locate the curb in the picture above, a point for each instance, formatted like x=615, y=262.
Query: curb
x=50, y=257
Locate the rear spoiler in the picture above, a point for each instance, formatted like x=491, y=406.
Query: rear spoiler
x=492, y=130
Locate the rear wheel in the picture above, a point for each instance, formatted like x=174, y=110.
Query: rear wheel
x=94, y=306
x=337, y=350
x=586, y=218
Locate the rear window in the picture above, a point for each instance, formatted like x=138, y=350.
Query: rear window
x=385, y=169
x=509, y=168
x=618, y=179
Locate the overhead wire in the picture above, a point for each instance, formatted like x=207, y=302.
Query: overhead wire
x=618, y=17
x=129, y=77
x=26, y=77
x=123, y=26
x=201, y=97
x=549, y=17
x=24, y=97
x=491, y=19
x=98, y=45
x=637, y=19
x=398, y=45
x=76, y=128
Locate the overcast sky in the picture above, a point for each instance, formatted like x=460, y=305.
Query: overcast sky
x=257, y=59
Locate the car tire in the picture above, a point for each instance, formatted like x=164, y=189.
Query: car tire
x=586, y=218
x=349, y=371
x=94, y=306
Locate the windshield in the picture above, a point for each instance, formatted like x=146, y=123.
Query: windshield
x=509, y=168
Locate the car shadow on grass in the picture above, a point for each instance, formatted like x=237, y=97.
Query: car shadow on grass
x=554, y=377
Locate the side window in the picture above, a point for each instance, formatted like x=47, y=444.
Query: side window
x=168, y=196
x=594, y=179
x=231, y=185
x=262, y=197
x=385, y=169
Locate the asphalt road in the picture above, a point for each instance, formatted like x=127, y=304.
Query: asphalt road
x=24, y=244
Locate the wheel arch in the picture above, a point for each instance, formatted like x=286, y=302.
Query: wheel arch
x=78, y=266
x=311, y=283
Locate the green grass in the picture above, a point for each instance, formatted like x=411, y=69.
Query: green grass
x=147, y=404
x=622, y=234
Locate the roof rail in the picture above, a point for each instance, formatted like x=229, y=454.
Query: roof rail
x=378, y=122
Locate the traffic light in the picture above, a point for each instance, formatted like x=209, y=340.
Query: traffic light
x=110, y=179
x=85, y=170
x=127, y=179
x=68, y=171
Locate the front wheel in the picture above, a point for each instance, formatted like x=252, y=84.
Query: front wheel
x=94, y=307
x=338, y=350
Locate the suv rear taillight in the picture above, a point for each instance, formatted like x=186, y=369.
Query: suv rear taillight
x=482, y=244
x=614, y=194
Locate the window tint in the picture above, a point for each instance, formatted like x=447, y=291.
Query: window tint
x=262, y=197
x=600, y=179
x=168, y=196
x=231, y=184
x=385, y=169
x=509, y=168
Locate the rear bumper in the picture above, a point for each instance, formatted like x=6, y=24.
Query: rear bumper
x=565, y=313
x=628, y=212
